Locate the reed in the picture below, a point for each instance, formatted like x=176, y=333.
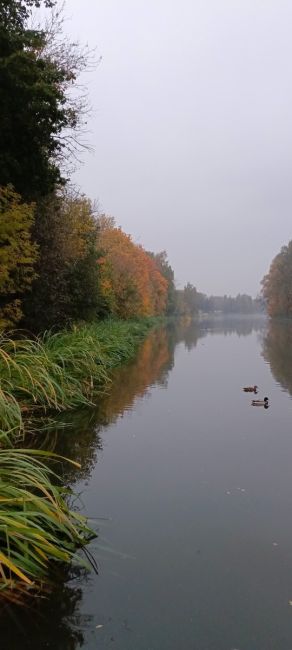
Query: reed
x=60, y=371
x=37, y=527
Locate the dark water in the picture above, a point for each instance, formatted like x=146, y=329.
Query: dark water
x=190, y=489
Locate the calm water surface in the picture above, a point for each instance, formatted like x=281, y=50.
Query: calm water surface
x=190, y=491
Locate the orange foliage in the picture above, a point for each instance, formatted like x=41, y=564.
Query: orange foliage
x=130, y=281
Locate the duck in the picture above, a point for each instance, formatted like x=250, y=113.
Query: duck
x=261, y=402
x=250, y=389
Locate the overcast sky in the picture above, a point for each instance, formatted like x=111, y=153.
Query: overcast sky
x=192, y=130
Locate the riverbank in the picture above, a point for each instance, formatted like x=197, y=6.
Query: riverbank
x=55, y=372
x=40, y=377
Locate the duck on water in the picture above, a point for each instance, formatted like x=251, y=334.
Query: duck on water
x=250, y=389
x=261, y=402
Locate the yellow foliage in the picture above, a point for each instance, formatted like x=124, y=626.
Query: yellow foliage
x=79, y=226
x=18, y=254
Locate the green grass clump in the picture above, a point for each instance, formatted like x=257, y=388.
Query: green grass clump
x=37, y=527
x=60, y=371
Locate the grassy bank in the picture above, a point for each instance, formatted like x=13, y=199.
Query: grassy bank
x=42, y=376
x=60, y=371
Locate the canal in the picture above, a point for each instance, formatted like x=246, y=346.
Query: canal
x=189, y=488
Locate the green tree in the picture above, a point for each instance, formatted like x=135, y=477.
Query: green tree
x=14, y=13
x=17, y=255
x=34, y=104
x=191, y=298
x=165, y=269
x=67, y=286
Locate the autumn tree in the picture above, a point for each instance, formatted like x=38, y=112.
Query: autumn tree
x=277, y=284
x=17, y=255
x=131, y=283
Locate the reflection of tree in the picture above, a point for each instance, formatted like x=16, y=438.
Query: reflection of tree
x=190, y=331
x=277, y=350
x=51, y=623
x=186, y=330
x=240, y=325
x=151, y=365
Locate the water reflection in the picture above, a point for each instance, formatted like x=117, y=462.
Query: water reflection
x=53, y=623
x=189, y=331
x=78, y=436
x=277, y=351
x=81, y=440
x=240, y=325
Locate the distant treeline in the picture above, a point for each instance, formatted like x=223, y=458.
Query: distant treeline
x=189, y=301
x=241, y=304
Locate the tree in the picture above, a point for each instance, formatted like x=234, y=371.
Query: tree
x=191, y=298
x=165, y=269
x=14, y=13
x=67, y=286
x=131, y=284
x=187, y=301
x=35, y=107
x=17, y=255
x=84, y=300
x=277, y=284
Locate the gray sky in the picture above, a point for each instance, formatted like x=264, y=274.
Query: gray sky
x=192, y=130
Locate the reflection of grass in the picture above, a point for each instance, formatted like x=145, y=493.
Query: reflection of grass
x=36, y=525
x=54, y=621
x=60, y=371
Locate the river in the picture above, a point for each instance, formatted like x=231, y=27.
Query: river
x=189, y=488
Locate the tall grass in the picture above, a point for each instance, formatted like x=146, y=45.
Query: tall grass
x=36, y=524
x=60, y=371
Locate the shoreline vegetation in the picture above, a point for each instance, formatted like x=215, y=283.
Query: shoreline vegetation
x=40, y=376
x=59, y=371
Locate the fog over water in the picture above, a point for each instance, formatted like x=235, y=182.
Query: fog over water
x=191, y=130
